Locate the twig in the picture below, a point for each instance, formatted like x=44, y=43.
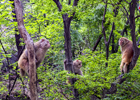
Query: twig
x=137, y=16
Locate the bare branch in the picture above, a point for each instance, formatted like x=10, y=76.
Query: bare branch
x=75, y=2
x=126, y=11
x=127, y=2
x=109, y=3
x=97, y=42
x=58, y=4
x=5, y=52
x=111, y=32
x=137, y=16
x=69, y=2
x=103, y=21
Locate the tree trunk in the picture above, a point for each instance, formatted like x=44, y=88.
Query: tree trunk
x=30, y=48
x=132, y=27
x=68, y=53
x=67, y=45
x=17, y=36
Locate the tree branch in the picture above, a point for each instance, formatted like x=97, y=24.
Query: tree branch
x=30, y=48
x=69, y=2
x=5, y=52
x=97, y=42
x=58, y=4
x=111, y=32
x=137, y=16
x=132, y=27
x=127, y=2
x=75, y=2
x=126, y=11
x=138, y=42
x=103, y=21
x=125, y=30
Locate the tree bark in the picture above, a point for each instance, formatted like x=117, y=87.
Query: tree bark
x=132, y=27
x=67, y=45
x=97, y=42
x=104, y=34
x=30, y=48
x=17, y=36
x=120, y=78
x=113, y=27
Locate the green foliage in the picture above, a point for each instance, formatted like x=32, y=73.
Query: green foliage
x=42, y=19
x=96, y=77
x=53, y=84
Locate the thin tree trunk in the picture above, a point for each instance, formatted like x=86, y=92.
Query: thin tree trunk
x=30, y=48
x=67, y=45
